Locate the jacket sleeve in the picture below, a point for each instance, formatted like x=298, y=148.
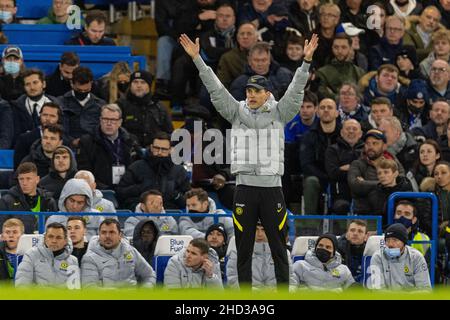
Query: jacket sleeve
x=130, y=224
x=215, y=282
x=222, y=100
x=376, y=279
x=129, y=185
x=375, y=59
x=288, y=104
x=224, y=71
x=173, y=226
x=231, y=270
x=332, y=165
x=229, y=226
x=144, y=272
x=324, y=89
x=298, y=274
x=7, y=127
x=359, y=188
x=308, y=157
x=292, y=277
x=83, y=154
x=187, y=227
x=25, y=272
x=421, y=274
x=90, y=275
x=172, y=276
x=349, y=280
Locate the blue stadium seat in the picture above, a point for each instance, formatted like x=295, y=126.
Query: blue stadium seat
x=374, y=243
x=6, y=159
x=166, y=247
x=33, y=9
x=301, y=246
x=111, y=196
x=26, y=242
x=23, y=34
x=122, y=219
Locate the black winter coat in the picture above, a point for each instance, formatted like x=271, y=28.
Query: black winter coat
x=38, y=157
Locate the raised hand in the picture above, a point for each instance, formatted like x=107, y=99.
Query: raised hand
x=310, y=47
x=192, y=49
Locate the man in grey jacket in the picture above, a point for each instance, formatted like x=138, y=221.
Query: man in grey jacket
x=195, y=267
x=50, y=263
x=398, y=266
x=112, y=262
x=258, y=192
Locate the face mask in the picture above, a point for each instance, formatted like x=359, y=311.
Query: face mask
x=36, y=98
x=80, y=96
x=323, y=255
x=392, y=253
x=281, y=25
x=5, y=16
x=122, y=86
x=404, y=221
x=414, y=110
x=11, y=67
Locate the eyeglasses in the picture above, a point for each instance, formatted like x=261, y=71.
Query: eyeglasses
x=438, y=70
x=329, y=15
x=388, y=29
x=110, y=120
x=160, y=149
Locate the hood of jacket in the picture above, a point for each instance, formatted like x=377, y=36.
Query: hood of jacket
x=76, y=187
x=333, y=263
x=137, y=239
x=73, y=164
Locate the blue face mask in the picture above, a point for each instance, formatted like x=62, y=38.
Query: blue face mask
x=404, y=221
x=392, y=252
x=6, y=16
x=11, y=67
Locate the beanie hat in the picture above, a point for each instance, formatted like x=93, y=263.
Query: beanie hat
x=417, y=90
x=219, y=227
x=143, y=75
x=408, y=52
x=330, y=237
x=397, y=231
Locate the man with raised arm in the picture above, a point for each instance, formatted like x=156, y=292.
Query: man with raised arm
x=259, y=166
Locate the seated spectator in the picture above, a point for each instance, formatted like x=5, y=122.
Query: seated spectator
x=379, y=108
x=58, y=83
x=293, y=55
x=429, y=155
x=81, y=108
x=398, y=266
x=444, y=8
x=50, y=263
x=322, y=267
x=41, y=151
x=349, y=103
x=353, y=12
x=441, y=51
x=8, y=11
x=145, y=237
x=329, y=16
x=76, y=227
x=94, y=31
x=197, y=266
x=114, y=85
x=439, y=81
x=63, y=168
x=197, y=201
x=339, y=70
x=111, y=261
x=26, y=196
x=151, y=173
x=151, y=201
x=7, y=128
x=406, y=62
x=358, y=52
x=12, y=230
x=444, y=144
x=107, y=153
x=58, y=13
x=437, y=125
x=261, y=63
x=218, y=240
x=263, y=271
x=400, y=144
x=76, y=196
x=142, y=115
x=304, y=16
x=351, y=246
x=11, y=81
x=49, y=115
x=413, y=113
x=338, y=157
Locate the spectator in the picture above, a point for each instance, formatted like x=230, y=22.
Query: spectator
x=414, y=112
x=400, y=144
x=379, y=108
x=58, y=83
x=261, y=63
x=362, y=175
x=58, y=14
x=76, y=196
x=444, y=144
x=349, y=103
x=151, y=201
x=304, y=16
x=420, y=31
x=441, y=51
x=114, y=85
x=76, y=227
x=263, y=272
x=12, y=230
x=439, y=82
x=81, y=108
x=7, y=128
x=444, y=8
x=358, y=52
x=406, y=63
x=407, y=267
x=377, y=20
x=197, y=266
x=11, y=82
x=63, y=168
x=353, y=11
x=143, y=116
x=217, y=238
x=8, y=11
x=156, y=170
x=339, y=70
x=338, y=157
x=351, y=247
x=26, y=196
x=437, y=125
x=197, y=201
x=124, y=267
x=50, y=263
x=404, y=8
x=94, y=31
x=313, y=148
x=323, y=268
x=429, y=155
x=50, y=115
x=42, y=150
x=329, y=15
x=108, y=152
x=145, y=237
x=440, y=185
x=293, y=55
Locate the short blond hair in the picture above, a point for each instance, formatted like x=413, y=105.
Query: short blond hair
x=13, y=222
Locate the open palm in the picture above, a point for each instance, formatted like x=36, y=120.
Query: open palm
x=311, y=46
x=191, y=48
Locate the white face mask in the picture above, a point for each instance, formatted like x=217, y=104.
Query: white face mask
x=5, y=16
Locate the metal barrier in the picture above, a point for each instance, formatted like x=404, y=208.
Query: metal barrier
x=434, y=222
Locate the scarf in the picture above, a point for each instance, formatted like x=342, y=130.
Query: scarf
x=228, y=35
x=411, y=6
x=398, y=146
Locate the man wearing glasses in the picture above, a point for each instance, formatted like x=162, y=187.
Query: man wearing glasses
x=107, y=153
x=157, y=171
x=438, y=83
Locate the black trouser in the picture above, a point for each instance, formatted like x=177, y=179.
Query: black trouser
x=266, y=204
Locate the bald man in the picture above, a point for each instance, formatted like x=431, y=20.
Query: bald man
x=439, y=83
